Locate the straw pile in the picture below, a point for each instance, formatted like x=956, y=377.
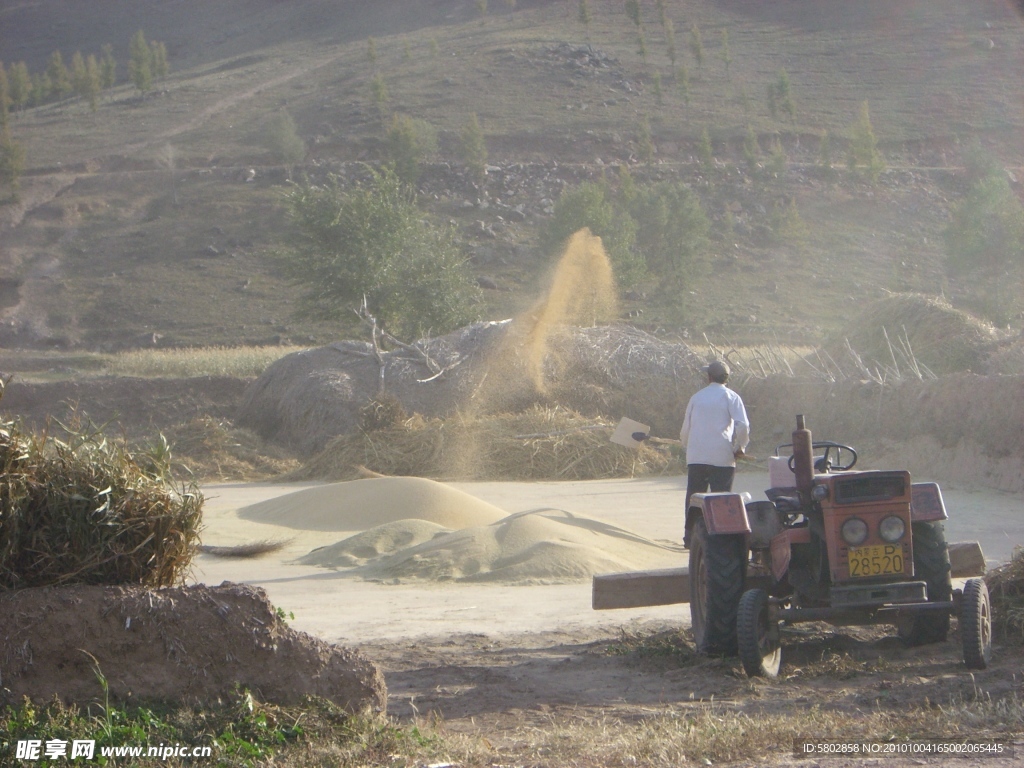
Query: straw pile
x=934, y=335
x=537, y=444
x=86, y=510
x=1006, y=586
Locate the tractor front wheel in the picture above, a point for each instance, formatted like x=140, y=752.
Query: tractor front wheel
x=757, y=635
x=976, y=624
x=718, y=567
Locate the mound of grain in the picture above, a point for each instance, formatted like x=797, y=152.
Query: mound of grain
x=369, y=545
x=537, y=444
x=941, y=337
x=363, y=504
x=536, y=547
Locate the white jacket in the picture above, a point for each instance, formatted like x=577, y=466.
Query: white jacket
x=715, y=427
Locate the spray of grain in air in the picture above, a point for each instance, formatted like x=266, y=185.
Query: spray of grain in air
x=581, y=292
x=518, y=372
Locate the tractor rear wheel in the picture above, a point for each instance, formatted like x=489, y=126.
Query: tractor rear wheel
x=976, y=624
x=718, y=567
x=757, y=635
x=931, y=564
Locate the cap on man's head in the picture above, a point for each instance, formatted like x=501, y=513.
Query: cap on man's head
x=717, y=370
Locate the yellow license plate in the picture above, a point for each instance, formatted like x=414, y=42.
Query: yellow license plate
x=876, y=560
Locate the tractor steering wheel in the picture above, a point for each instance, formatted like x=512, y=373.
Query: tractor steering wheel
x=823, y=464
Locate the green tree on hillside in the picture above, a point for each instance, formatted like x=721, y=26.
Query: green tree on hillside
x=863, y=150
x=158, y=59
x=672, y=232
x=591, y=204
x=283, y=140
x=473, y=148
x=726, y=55
x=633, y=12
x=410, y=141
x=670, y=42
x=697, y=47
x=20, y=84
x=140, y=63
x=751, y=150
x=583, y=16
x=108, y=66
x=372, y=243
x=60, y=78
x=706, y=152
x=825, y=155
x=987, y=229
x=644, y=141
x=5, y=96
x=12, y=162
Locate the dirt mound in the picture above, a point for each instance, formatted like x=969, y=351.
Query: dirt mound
x=189, y=644
x=944, y=339
x=363, y=504
x=536, y=547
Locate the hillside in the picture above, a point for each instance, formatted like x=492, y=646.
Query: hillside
x=136, y=225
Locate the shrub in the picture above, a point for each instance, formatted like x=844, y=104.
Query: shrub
x=590, y=205
x=373, y=242
x=672, y=231
x=283, y=140
x=410, y=141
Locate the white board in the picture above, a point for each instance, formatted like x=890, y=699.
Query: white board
x=623, y=434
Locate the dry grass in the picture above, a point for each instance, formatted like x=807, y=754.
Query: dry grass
x=211, y=449
x=241, y=362
x=1006, y=586
x=537, y=444
x=86, y=509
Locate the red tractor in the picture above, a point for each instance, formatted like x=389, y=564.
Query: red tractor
x=830, y=544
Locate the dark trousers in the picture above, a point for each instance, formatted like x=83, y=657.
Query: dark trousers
x=703, y=477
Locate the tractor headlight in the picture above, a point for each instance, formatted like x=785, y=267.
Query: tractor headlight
x=854, y=531
x=819, y=492
x=892, y=528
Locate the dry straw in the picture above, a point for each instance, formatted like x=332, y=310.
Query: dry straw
x=537, y=444
x=1006, y=585
x=84, y=509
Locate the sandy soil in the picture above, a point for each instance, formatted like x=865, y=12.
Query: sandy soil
x=494, y=658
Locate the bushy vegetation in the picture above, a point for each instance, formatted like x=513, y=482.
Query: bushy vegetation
x=657, y=230
x=242, y=731
x=282, y=139
x=410, y=141
x=372, y=243
x=86, y=509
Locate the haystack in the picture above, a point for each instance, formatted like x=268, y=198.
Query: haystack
x=308, y=398
x=537, y=444
x=940, y=337
x=1006, y=586
x=87, y=510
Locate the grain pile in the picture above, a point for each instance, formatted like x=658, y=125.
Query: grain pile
x=363, y=504
x=545, y=546
x=537, y=444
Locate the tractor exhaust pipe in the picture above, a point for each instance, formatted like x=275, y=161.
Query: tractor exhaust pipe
x=803, y=459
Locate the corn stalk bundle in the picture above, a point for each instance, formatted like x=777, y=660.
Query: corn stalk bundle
x=1006, y=586
x=87, y=510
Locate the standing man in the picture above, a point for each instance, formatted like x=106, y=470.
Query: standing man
x=715, y=433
